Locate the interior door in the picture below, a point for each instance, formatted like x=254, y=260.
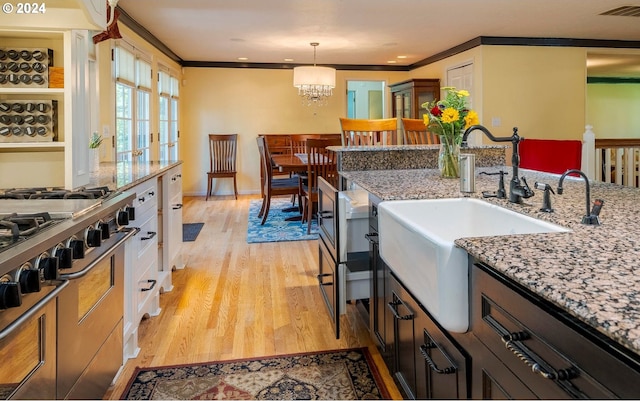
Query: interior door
x=461, y=77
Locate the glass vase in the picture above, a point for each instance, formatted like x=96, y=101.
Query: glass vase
x=94, y=160
x=448, y=158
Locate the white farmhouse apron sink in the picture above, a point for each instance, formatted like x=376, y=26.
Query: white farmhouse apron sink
x=417, y=242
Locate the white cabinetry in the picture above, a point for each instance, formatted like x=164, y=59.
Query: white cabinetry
x=141, y=271
x=65, y=160
x=170, y=222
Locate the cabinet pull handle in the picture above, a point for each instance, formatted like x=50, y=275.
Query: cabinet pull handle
x=372, y=237
x=177, y=206
x=425, y=354
x=153, y=284
x=392, y=305
x=320, y=276
x=326, y=214
x=511, y=343
x=150, y=234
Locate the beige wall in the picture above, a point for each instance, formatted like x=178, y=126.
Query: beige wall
x=614, y=110
x=250, y=102
x=540, y=90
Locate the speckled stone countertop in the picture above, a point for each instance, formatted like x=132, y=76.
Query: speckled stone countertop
x=124, y=175
x=592, y=272
x=395, y=157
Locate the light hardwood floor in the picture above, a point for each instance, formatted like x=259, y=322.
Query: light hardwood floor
x=236, y=300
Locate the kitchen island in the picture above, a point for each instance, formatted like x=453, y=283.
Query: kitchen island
x=156, y=251
x=588, y=273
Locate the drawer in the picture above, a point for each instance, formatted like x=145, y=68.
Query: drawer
x=551, y=354
x=175, y=182
x=146, y=197
x=145, y=286
x=147, y=239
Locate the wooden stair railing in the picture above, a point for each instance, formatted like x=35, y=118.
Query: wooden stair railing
x=614, y=160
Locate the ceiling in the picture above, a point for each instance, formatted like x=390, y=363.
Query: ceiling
x=377, y=32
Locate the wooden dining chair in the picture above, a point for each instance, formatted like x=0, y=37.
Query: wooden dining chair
x=414, y=132
x=299, y=142
x=321, y=162
x=362, y=132
x=270, y=186
x=222, y=160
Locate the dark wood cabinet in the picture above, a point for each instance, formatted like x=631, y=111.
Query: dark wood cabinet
x=380, y=323
x=408, y=96
x=428, y=364
x=550, y=353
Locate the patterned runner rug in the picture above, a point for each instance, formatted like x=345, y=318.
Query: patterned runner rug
x=276, y=228
x=331, y=375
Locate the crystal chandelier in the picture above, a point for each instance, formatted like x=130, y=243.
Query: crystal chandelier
x=315, y=84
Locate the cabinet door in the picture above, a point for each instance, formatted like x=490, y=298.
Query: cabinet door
x=328, y=281
x=491, y=380
x=441, y=366
x=173, y=242
x=402, y=308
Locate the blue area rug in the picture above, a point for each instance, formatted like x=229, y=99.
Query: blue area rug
x=276, y=229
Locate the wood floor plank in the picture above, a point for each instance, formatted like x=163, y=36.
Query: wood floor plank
x=235, y=300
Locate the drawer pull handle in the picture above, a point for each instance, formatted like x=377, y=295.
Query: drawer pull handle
x=372, y=237
x=392, y=305
x=510, y=342
x=177, y=206
x=320, y=276
x=150, y=234
x=425, y=354
x=141, y=199
x=153, y=284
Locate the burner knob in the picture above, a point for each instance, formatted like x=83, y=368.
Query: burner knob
x=49, y=267
x=29, y=281
x=65, y=257
x=132, y=212
x=123, y=218
x=104, y=229
x=94, y=238
x=10, y=295
x=77, y=247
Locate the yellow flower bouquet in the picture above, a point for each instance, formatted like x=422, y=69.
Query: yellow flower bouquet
x=448, y=118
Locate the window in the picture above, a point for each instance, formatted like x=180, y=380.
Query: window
x=133, y=115
x=168, y=88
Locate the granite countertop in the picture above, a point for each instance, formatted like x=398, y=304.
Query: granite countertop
x=124, y=175
x=591, y=272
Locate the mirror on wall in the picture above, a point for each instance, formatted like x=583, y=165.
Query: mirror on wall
x=365, y=99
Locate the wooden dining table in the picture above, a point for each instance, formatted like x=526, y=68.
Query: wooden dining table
x=288, y=163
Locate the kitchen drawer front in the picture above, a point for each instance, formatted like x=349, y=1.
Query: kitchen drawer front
x=145, y=286
x=328, y=282
x=146, y=197
x=534, y=343
x=175, y=181
x=147, y=240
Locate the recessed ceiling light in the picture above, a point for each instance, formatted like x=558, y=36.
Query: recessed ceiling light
x=402, y=56
x=391, y=62
x=288, y=60
x=243, y=58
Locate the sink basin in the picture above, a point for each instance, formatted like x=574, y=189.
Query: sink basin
x=416, y=241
